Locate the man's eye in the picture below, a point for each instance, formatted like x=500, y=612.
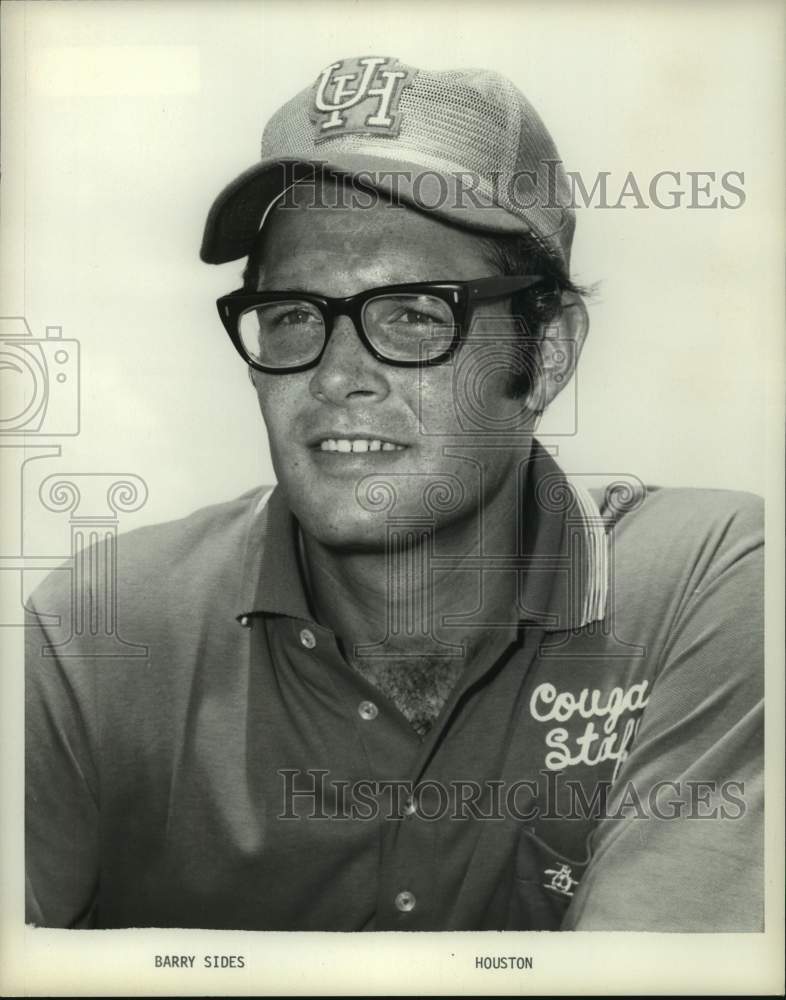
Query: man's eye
x=295, y=317
x=414, y=317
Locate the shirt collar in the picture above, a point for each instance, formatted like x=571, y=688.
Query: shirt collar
x=270, y=579
x=563, y=581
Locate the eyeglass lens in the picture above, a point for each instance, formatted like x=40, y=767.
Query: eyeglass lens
x=400, y=327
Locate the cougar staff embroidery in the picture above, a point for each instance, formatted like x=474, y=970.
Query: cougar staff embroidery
x=359, y=95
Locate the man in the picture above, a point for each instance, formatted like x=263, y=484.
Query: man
x=425, y=683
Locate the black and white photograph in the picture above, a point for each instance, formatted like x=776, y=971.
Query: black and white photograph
x=392, y=489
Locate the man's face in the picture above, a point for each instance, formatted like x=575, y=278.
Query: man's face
x=351, y=395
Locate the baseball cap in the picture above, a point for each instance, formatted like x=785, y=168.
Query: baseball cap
x=464, y=144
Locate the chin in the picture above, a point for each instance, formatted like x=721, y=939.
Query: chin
x=359, y=513
x=367, y=533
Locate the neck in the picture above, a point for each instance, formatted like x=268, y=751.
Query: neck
x=398, y=596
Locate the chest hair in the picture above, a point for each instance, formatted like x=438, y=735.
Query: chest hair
x=417, y=686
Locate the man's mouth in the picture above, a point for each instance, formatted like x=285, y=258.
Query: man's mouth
x=347, y=445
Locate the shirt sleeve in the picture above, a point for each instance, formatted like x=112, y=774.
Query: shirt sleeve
x=688, y=854
x=61, y=786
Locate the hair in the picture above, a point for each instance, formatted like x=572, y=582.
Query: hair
x=534, y=309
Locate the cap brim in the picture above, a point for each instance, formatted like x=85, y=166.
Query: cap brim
x=235, y=216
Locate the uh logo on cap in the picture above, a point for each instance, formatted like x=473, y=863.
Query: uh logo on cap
x=359, y=95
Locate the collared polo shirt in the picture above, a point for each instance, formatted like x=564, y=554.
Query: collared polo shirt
x=219, y=764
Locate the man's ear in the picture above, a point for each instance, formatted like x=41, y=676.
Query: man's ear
x=559, y=351
x=250, y=372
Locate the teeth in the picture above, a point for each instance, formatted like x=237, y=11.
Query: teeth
x=346, y=445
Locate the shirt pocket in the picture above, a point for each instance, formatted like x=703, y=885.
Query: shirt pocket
x=545, y=881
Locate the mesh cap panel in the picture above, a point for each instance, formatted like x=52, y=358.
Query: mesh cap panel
x=473, y=128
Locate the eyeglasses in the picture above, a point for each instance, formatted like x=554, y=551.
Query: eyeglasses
x=410, y=326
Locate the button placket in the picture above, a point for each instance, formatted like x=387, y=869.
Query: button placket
x=410, y=806
x=307, y=639
x=405, y=901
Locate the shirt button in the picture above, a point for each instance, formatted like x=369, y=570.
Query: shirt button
x=244, y=621
x=307, y=638
x=409, y=807
x=368, y=710
x=405, y=901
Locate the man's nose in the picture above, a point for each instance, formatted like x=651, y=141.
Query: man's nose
x=347, y=370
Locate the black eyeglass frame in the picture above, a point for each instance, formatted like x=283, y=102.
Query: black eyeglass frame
x=459, y=295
